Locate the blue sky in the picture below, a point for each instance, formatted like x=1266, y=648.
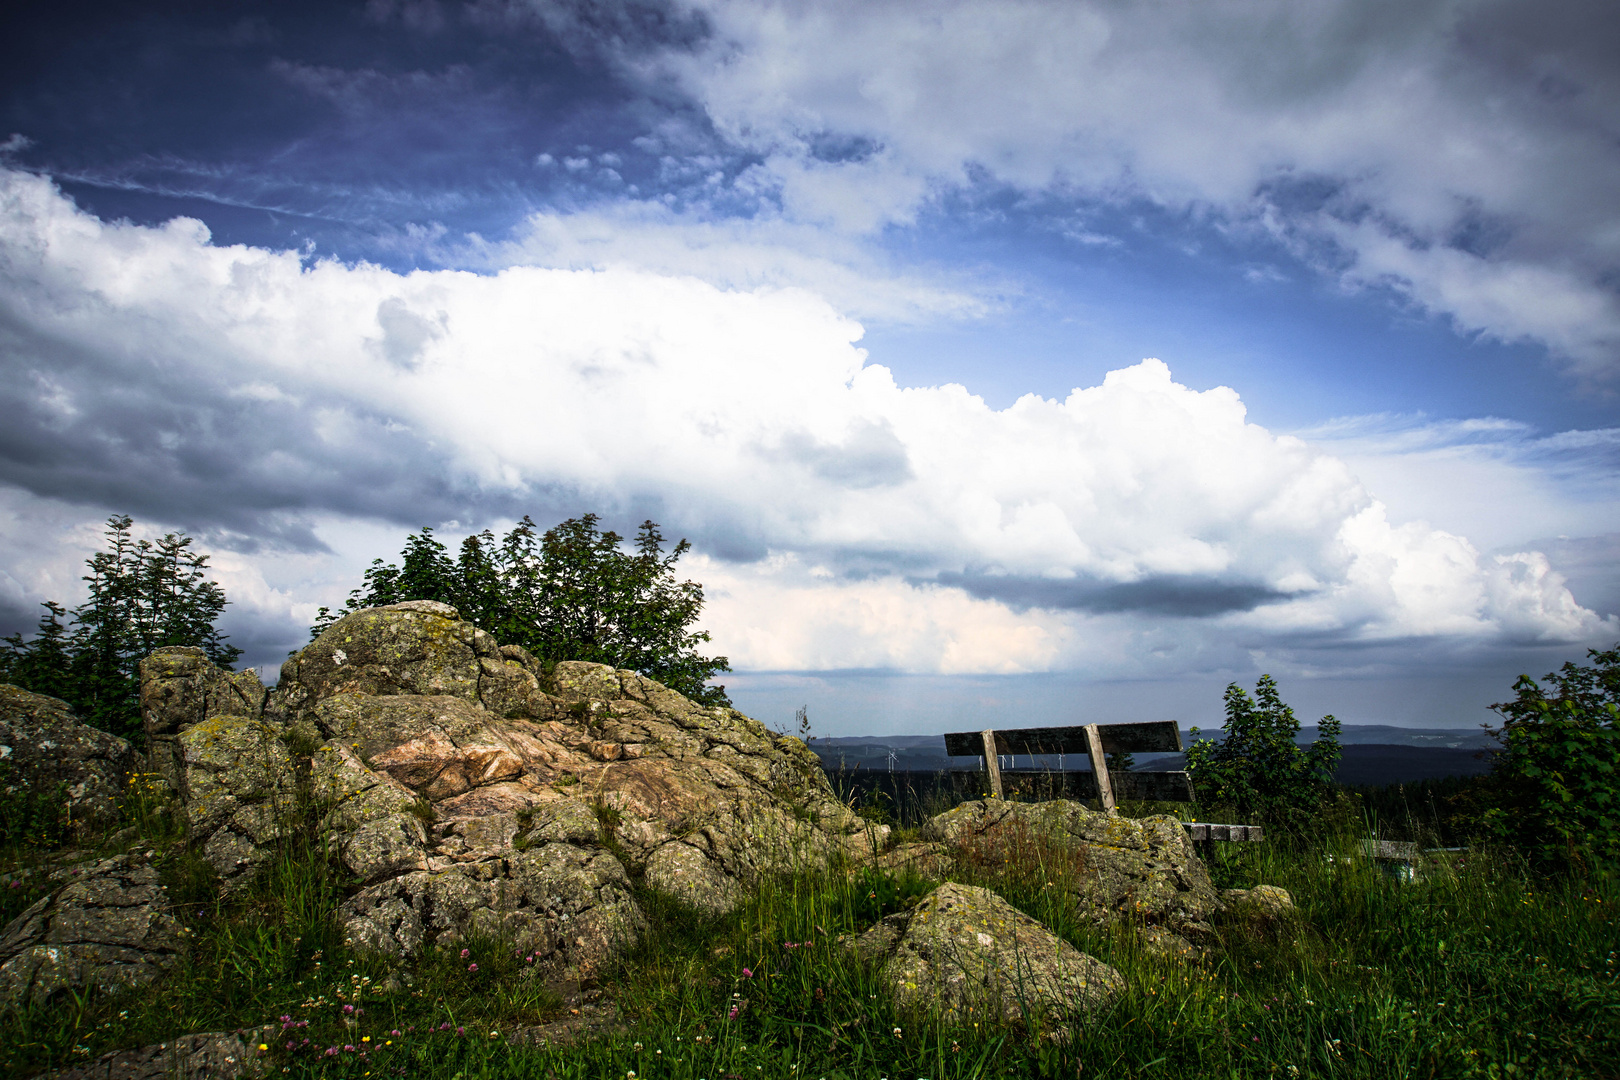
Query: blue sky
x=861, y=298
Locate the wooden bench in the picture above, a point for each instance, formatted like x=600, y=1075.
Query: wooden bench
x=1094, y=740
x=1097, y=741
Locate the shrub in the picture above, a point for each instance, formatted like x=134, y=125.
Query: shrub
x=571, y=593
x=1257, y=768
x=1554, y=791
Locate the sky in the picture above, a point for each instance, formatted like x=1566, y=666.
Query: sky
x=1028, y=361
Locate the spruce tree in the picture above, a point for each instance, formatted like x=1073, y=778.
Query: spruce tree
x=143, y=595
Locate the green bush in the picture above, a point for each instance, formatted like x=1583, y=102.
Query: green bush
x=1258, y=769
x=1554, y=791
x=572, y=593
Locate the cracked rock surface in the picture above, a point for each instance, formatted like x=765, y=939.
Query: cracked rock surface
x=106, y=925
x=965, y=952
x=43, y=744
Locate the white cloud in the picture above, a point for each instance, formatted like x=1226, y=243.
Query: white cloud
x=735, y=253
x=915, y=528
x=1463, y=154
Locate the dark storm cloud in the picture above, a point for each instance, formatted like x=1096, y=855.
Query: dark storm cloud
x=1176, y=596
x=162, y=441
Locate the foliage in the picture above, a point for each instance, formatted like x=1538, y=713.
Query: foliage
x=1257, y=768
x=30, y=817
x=144, y=595
x=572, y=593
x=1554, y=791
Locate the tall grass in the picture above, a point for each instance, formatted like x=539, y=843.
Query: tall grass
x=1479, y=968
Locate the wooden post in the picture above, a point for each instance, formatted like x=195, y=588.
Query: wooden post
x=992, y=761
x=1099, y=764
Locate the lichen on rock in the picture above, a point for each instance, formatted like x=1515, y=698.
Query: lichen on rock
x=105, y=925
x=965, y=952
x=43, y=745
x=1141, y=870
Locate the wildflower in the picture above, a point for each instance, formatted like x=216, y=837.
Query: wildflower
x=348, y=1009
x=897, y=1033
x=464, y=953
x=637, y=1048
x=472, y=967
x=461, y=1031
x=747, y=974
x=264, y=1046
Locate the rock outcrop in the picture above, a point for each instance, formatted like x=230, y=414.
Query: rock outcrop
x=43, y=745
x=469, y=790
x=967, y=953
x=1140, y=870
x=106, y=925
x=180, y=688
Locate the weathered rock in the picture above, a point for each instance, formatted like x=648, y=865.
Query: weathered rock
x=209, y=1055
x=105, y=925
x=569, y=907
x=1263, y=902
x=1142, y=870
x=378, y=822
x=966, y=953
x=43, y=745
x=240, y=788
x=417, y=648
x=181, y=687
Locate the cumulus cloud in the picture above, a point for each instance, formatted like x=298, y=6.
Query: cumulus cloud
x=847, y=521
x=1462, y=155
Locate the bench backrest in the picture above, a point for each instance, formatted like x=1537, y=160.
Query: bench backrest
x=1159, y=736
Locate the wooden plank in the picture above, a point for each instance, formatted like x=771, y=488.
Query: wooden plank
x=987, y=744
x=1158, y=736
x=1141, y=786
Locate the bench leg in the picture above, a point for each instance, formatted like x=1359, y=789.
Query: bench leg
x=992, y=761
x=1099, y=766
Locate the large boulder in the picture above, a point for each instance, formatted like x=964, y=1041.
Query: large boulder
x=181, y=687
x=966, y=953
x=105, y=925
x=469, y=790
x=417, y=648
x=1141, y=870
x=42, y=745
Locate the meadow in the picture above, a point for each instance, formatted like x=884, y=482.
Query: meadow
x=1480, y=968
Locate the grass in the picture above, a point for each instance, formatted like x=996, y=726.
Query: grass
x=1479, y=969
